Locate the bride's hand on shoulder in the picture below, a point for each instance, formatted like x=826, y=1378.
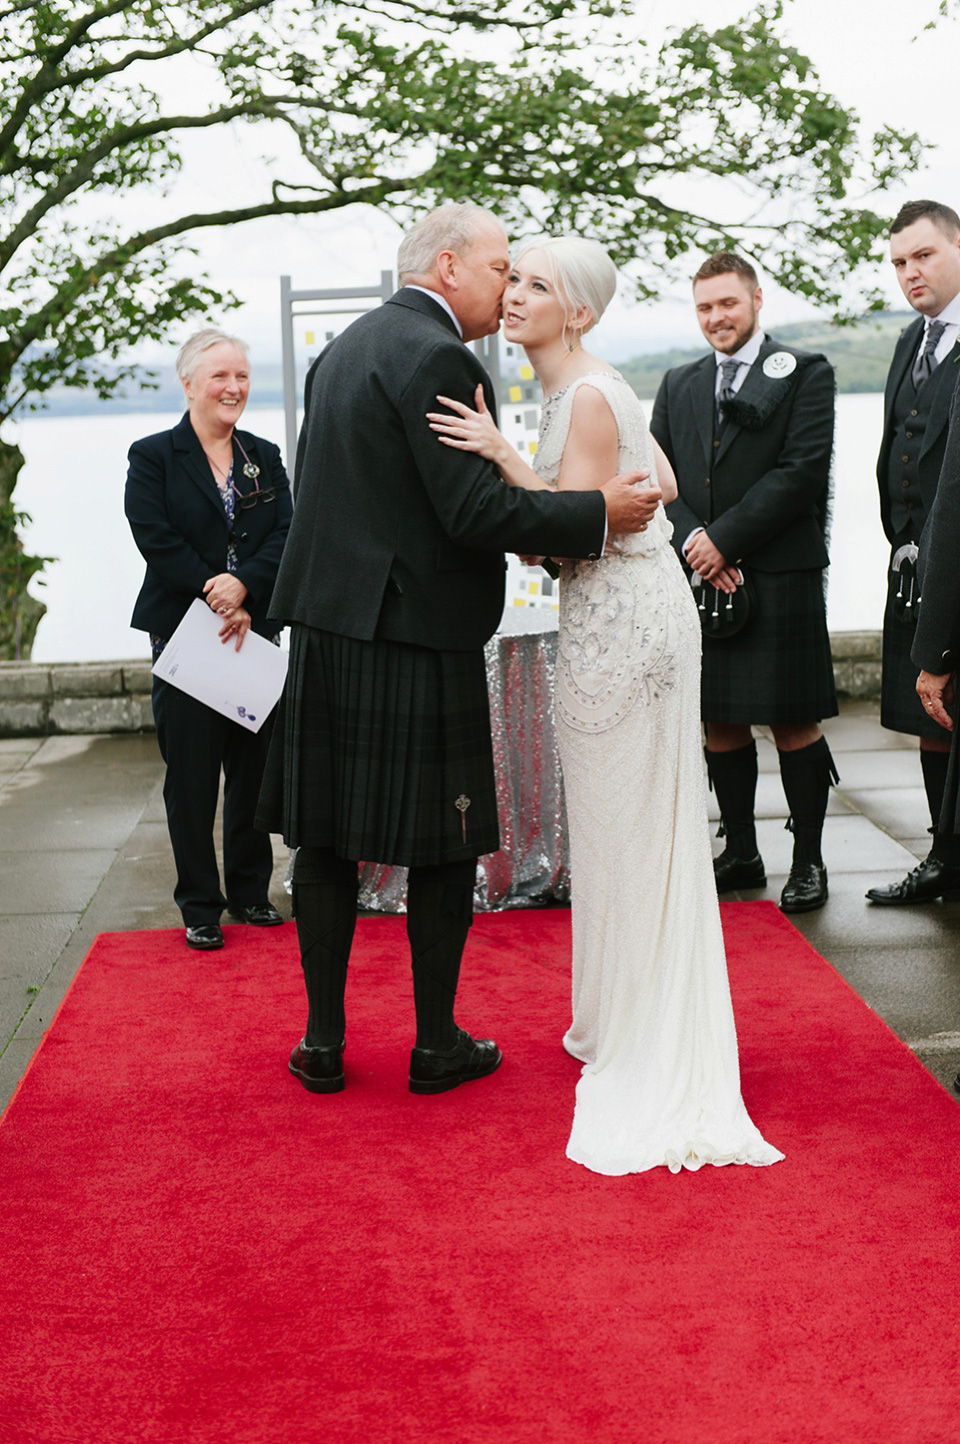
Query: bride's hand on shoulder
x=466, y=429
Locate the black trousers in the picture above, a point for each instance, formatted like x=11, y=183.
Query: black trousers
x=197, y=743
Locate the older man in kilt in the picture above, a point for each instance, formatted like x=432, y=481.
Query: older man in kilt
x=393, y=581
x=749, y=432
x=925, y=250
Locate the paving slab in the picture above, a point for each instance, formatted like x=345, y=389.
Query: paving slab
x=63, y=880
x=900, y=811
x=850, y=921
x=851, y=843
x=858, y=729
x=879, y=768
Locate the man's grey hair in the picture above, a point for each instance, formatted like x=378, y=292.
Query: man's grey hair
x=195, y=345
x=452, y=227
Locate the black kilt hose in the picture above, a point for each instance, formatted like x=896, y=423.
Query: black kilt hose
x=779, y=668
x=382, y=751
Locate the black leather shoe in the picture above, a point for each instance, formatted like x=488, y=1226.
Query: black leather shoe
x=806, y=888
x=733, y=873
x=432, y=1071
x=925, y=883
x=260, y=915
x=320, y=1070
x=205, y=937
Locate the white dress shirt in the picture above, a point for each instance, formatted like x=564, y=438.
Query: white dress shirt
x=440, y=300
x=950, y=316
x=747, y=354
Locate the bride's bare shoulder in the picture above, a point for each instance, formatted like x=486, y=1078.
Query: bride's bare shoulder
x=589, y=405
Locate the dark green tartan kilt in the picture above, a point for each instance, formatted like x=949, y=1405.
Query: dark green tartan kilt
x=779, y=668
x=900, y=708
x=374, y=745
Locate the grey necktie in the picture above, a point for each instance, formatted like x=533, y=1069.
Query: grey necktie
x=728, y=370
x=925, y=364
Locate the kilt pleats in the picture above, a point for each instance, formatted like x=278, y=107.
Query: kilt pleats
x=900, y=708
x=375, y=744
x=779, y=668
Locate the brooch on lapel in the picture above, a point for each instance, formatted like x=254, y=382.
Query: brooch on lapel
x=781, y=363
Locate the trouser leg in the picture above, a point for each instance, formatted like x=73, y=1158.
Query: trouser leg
x=191, y=744
x=945, y=848
x=325, y=910
x=439, y=914
x=806, y=774
x=247, y=852
x=734, y=779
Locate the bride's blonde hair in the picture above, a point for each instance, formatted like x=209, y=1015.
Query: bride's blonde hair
x=582, y=272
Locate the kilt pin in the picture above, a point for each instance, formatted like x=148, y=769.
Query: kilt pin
x=754, y=473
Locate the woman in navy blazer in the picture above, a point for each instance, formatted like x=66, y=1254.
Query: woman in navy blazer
x=209, y=508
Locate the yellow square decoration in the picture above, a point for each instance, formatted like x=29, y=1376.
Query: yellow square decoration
x=516, y=393
x=533, y=448
x=526, y=373
x=534, y=588
x=310, y=336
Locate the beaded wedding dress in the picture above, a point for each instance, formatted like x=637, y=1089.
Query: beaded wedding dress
x=652, y=1017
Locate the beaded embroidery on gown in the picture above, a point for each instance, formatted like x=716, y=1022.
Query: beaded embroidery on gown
x=652, y=1016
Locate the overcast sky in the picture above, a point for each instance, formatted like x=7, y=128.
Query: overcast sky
x=873, y=54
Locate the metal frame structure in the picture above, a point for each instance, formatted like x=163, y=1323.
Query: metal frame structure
x=331, y=303
x=291, y=299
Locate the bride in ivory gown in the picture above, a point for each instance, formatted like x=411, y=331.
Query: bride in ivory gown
x=652, y=1017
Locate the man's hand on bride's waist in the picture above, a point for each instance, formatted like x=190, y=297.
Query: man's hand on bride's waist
x=630, y=505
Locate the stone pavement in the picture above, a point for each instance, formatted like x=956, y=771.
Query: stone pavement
x=84, y=850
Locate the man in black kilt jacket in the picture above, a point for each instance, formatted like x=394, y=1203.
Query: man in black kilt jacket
x=936, y=645
x=749, y=432
x=925, y=249
x=392, y=581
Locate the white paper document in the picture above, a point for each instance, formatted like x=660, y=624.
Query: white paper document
x=243, y=686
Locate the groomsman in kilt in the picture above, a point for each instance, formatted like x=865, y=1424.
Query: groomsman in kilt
x=925, y=249
x=392, y=581
x=936, y=644
x=749, y=432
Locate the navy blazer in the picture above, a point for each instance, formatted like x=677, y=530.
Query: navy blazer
x=940, y=388
x=176, y=514
x=760, y=490
x=395, y=535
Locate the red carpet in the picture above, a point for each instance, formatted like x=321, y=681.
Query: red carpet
x=195, y=1249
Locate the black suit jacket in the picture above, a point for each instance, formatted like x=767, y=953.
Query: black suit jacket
x=395, y=535
x=178, y=522
x=936, y=643
x=759, y=486
x=941, y=385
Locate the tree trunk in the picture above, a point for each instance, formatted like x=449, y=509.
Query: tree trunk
x=20, y=613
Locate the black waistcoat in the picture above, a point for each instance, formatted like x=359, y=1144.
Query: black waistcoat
x=911, y=409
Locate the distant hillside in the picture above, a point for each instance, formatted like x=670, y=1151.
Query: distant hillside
x=164, y=393
x=860, y=353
